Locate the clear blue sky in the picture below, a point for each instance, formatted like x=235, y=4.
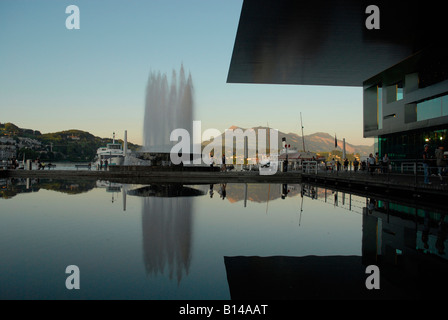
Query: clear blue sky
x=94, y=78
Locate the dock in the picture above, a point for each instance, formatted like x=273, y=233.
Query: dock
x=158, y=176
x=400, y=185
x=393, y=185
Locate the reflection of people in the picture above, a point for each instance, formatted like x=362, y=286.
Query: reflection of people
x=222, y=191
x=211, y=191
x=441, y=236
x=425, y=232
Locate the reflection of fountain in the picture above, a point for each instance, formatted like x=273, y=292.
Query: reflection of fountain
x=169, y=190
x=167, y=228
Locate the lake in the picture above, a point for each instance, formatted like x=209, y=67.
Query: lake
x=213, y=242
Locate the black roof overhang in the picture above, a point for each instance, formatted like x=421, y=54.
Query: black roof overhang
x=326, y=42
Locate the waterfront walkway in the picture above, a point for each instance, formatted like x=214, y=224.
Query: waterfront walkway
x=409, y=185
x=156, y=176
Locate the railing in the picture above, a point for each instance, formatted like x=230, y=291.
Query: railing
x=411, y=166
x=410, y=171
x=309, y=167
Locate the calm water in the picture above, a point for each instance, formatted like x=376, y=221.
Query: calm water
x=212, y=242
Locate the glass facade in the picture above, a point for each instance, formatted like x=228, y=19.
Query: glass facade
x=409, y=144
x=399, y=91
x=432, y=108
x=379, y=106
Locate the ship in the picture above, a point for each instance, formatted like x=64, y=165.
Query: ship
x=112, y=152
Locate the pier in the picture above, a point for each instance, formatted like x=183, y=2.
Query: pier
x=158, y=176
x=405, y=185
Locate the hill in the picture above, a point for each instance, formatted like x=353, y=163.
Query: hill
x=67, y=145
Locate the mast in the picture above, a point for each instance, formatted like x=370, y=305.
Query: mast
x=303, y=138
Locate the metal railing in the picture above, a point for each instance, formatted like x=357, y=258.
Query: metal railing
x=410, y=171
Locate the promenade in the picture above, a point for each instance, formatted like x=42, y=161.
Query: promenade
x=404, y=185
x=158, y=176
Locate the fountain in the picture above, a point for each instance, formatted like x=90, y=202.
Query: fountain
x=168, y=106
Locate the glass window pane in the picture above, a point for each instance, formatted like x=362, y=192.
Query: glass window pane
x=429, y=109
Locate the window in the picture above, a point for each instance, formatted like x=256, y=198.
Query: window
x=432, y=108
x=379, y=106
x=399, y=91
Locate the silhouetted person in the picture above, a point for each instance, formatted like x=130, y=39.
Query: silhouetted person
x=355, y=164
x=425, y=156
x=385, y=163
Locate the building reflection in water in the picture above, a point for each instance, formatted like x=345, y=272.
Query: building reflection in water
x=167, y=228
x=407, y=242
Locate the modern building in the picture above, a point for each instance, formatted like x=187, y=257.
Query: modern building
x=401, y=65
x=406, y=106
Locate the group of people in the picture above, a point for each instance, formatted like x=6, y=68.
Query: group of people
x=102, y=164
x=371, y=164
x=222, y=191
x=428, y=163
x=223, y=162
x=12, y=163
x=377, y=164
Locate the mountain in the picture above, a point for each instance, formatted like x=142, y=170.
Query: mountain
x=316, y=142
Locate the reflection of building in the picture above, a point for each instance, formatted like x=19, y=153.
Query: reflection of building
x=392, y=231
x=408, y=245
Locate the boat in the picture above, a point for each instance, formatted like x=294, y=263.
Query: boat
x=112, y=152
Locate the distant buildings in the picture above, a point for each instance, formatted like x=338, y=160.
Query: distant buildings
x=10, y=147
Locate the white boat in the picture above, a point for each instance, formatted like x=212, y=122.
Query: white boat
x=112, y=152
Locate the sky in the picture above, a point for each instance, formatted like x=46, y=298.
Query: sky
x=94, y=78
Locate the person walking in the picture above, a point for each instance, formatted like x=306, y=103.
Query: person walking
x=211, y=161
x=425, y=156
x=441, y=163
x=385, y=163
x=371, y=163
x=355, y=164
x=223, y=164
